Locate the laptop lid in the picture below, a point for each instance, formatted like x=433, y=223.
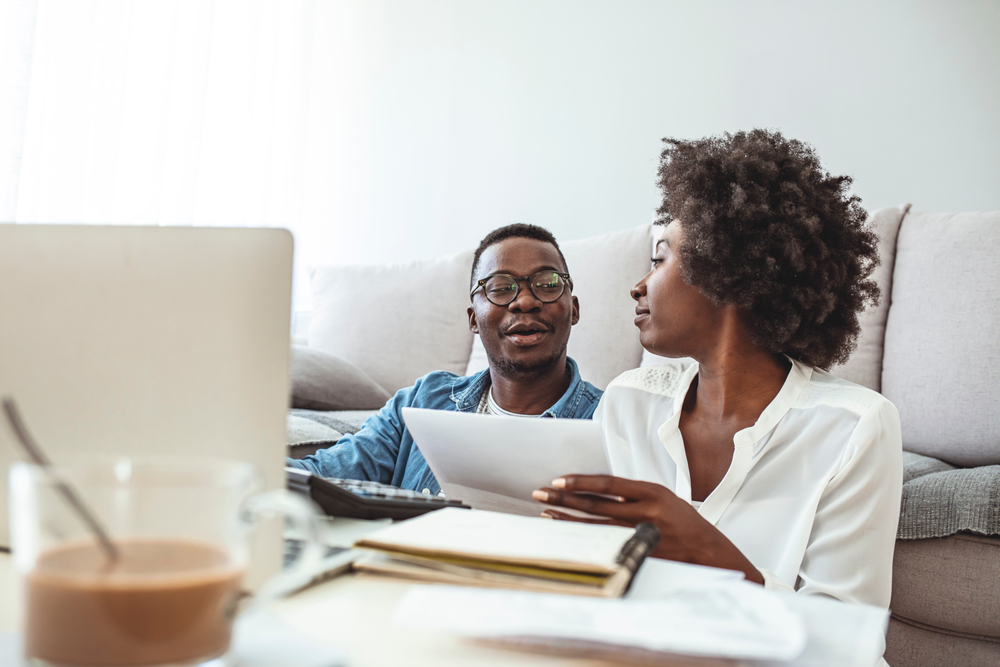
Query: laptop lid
x=146, y=340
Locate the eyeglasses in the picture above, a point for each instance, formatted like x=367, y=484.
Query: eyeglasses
x=502, y=288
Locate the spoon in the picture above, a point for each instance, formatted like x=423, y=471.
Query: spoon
x=38, y=456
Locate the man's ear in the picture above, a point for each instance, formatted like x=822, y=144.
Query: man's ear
x=576, y=310
x=473, y=326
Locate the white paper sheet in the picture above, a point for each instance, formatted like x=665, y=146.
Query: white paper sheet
x=658, y=578
x=836, y=633
x=495, y=462
x=738, y=621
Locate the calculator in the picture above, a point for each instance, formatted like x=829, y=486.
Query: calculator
x=354, y=499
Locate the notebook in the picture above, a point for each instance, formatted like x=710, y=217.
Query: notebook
x=508, y=551
x=122, y=339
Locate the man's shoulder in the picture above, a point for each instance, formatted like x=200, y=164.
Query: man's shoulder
x=437, y=389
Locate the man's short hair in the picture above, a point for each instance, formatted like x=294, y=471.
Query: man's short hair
x=516, y=230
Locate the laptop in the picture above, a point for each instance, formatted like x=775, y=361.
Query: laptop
x=147, y=340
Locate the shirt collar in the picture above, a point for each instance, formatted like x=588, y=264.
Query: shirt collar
x=796, y=380
x=468, y=399
x=744, y=453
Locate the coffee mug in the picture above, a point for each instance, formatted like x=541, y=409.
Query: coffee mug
x=163, y=590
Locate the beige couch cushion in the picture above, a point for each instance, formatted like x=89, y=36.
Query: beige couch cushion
x=396, y=322
x=915, y=645
x=949, y=583
x=942, y=349
x=604, y=343
x=865, y=365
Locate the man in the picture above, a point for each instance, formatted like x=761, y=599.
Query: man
x=523, y=309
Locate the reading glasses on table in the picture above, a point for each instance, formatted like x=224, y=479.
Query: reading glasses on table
x=502, y=288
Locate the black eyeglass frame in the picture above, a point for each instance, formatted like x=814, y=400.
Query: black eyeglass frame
x=517, y=283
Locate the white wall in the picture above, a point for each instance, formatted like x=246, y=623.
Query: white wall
x=386, y=130
x=449, y=118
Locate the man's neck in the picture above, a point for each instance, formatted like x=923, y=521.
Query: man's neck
x=530, y=394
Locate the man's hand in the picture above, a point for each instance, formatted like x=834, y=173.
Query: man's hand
x=684, y=535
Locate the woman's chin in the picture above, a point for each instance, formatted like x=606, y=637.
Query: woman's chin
x=659, y=349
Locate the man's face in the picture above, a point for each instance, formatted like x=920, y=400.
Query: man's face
x=526, y=336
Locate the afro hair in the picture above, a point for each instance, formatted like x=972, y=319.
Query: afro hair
x=768, y=230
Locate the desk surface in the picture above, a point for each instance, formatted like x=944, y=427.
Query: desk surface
x=354, y=613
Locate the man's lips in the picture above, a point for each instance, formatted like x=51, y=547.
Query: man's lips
x=526, y=333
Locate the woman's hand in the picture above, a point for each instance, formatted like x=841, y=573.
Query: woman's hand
x=684, y=535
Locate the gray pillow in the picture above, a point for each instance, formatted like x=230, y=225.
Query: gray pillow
x=322, y=381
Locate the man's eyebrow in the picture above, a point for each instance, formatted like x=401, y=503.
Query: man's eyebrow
x=533, y=272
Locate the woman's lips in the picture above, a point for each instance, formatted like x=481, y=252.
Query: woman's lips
x=641, y=315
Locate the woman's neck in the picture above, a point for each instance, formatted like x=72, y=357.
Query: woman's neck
x=736, y=379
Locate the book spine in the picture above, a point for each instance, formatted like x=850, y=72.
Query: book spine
x=635, y=550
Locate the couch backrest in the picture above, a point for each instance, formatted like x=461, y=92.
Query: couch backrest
x=941, y=366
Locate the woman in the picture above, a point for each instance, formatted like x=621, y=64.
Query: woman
x=753, y=458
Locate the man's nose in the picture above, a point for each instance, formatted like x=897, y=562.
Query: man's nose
x=525, y=300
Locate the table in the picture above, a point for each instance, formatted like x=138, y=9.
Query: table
x=353, y=613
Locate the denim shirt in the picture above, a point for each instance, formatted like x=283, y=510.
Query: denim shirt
x=383, y=451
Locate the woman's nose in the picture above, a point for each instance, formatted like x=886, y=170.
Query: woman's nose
x=635, y=292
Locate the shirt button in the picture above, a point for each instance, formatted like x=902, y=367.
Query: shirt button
x=426, y=492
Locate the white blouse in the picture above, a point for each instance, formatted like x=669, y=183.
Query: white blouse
x=812, y=494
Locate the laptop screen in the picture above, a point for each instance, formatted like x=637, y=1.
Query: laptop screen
x=146, y=340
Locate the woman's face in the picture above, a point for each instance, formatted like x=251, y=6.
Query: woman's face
x=674, y=318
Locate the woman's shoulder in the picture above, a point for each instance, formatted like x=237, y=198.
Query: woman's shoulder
x=826, y=389
x=662, y=380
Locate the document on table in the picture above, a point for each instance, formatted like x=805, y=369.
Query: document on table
x=495, y=462
x=740, y=621
x=672, y=608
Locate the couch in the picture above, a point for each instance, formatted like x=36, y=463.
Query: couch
x=932, y=347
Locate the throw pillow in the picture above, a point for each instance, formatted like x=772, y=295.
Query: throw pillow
x=397, y=322
x=605, y=343
x=322, y=381
x=865, y=365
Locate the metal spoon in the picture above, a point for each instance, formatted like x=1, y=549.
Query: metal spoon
x=38, y=456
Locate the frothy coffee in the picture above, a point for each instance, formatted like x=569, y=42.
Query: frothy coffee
x=164, y=601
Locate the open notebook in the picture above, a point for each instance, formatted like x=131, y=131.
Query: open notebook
x=509, y=551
